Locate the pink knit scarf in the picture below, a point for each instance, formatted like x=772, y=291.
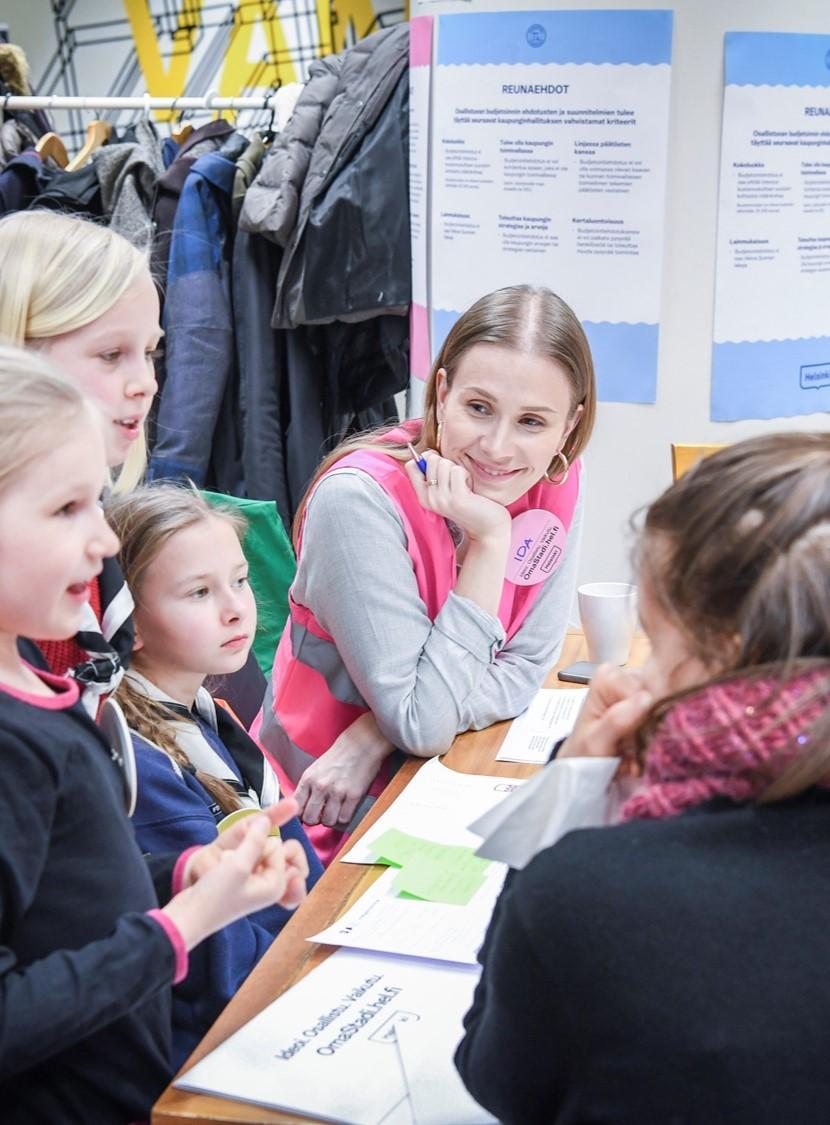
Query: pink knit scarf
x=727, y=740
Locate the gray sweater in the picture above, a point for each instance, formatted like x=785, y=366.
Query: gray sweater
x=425, y=681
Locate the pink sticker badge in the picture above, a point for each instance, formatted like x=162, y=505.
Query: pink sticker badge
x=537, y=543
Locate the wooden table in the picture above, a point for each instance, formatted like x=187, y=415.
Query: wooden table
x=292, y=956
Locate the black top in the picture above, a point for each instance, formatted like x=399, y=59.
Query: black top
x=669, y=972
x=84, y=973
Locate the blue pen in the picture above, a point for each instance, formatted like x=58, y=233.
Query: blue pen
x=419, y=461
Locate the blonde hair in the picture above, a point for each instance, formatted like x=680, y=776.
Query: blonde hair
x=524, y=318
x=36, y=406
x=59, y=273
x=144, y=520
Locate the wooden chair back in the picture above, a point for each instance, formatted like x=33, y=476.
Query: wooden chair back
x=683, y=457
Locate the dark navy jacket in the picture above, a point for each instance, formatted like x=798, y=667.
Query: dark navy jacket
x=199, y=387
x=174, y=812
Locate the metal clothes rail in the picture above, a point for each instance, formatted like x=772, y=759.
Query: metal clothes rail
x=209, y=102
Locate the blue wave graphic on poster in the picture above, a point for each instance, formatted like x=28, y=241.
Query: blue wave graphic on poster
x=759, y=58
x=625, y=355
x=770, y=378
x=542, y=36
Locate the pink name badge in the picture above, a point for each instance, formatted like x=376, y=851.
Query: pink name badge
x=537, y=543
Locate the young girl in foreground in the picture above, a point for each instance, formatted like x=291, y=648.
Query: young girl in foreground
x=674, y=967
x=195, y=616
x=86, y=958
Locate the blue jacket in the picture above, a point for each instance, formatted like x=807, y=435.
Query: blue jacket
x=174, y=812
x=200, y=361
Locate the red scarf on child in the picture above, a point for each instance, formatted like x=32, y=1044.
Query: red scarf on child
x=729, y=739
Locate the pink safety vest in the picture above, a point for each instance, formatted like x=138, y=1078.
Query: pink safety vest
x=299, y=699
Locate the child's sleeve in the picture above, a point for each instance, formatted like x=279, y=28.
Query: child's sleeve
x=50, y=998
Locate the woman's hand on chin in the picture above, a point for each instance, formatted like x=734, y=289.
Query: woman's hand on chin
x=446, y=491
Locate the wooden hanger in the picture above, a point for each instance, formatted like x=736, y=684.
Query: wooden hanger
x=50, y=144
x=181, y=132
x=97, y=134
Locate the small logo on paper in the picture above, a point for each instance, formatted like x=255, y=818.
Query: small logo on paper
x=386, y=1032
x=814, y=376
x=536, y=35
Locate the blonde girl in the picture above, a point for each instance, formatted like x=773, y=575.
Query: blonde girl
x=195, y=616
x=86, y=956
x=83, y=295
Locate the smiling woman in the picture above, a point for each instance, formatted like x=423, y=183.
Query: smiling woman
x=432, y=594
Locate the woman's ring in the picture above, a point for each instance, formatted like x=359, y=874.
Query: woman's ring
x=431, y=481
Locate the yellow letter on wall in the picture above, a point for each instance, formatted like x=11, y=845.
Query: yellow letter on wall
x=170, y=81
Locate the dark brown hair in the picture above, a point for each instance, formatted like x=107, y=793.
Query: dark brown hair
x=737, y=554
x=524, y=318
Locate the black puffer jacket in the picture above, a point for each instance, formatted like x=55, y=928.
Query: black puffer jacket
x=334, y=190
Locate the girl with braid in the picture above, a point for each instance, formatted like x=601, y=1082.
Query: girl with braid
x=195, y=616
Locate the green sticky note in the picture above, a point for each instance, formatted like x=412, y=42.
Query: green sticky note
x=452, y=881
x=395, y=848
x=437, y=872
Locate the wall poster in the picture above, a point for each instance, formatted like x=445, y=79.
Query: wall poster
x=547, y=165
x=771, y=355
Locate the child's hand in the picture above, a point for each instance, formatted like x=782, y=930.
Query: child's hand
x=207, y=857
x=260, y=871
x=331, y=789
x=616, y=705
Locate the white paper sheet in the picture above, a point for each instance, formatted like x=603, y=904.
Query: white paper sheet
x=327, y=1047
x=569, y=793
x=381, y=920
x=436, y=1093
x=438, y=803
x=550, y=716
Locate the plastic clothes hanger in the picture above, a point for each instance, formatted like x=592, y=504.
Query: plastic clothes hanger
x=97, y=134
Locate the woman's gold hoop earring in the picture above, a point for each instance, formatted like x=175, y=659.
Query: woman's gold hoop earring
x=438, y=436
x=564, y=469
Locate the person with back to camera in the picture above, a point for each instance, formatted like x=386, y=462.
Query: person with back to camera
x=83, y=295
x=673, y=967
x=86, y=956
x=195, y=616
x=417, y=610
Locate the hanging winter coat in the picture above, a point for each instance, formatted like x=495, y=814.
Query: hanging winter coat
x=350, y=196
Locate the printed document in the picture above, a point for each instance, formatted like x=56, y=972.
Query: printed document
x=328, y=1046
x=385, y=921
x=438, y=802
x=533, y=734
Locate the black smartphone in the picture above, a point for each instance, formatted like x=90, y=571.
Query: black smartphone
x=579, y=673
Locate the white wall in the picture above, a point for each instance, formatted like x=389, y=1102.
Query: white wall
x=629, y=460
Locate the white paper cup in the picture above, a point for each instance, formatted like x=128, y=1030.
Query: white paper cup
x=608, y=611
